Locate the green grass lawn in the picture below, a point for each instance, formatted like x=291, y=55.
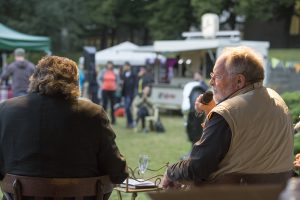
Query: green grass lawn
x=161, y=148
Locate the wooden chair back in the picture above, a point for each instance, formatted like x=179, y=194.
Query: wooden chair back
x=222, y=192
x=56, y=188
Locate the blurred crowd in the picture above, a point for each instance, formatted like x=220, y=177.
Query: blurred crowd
x=120, y=90
x=125, y=93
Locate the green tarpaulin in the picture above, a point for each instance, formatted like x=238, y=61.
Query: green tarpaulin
x=11, y=39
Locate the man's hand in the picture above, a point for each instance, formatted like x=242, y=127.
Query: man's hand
x=297, y=126
x=200, y=107
x=169, y=184
x=297, y=161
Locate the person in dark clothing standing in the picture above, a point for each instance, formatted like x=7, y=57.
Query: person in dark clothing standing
x=20, y=71
x=144, y=79
x=65, y=136
x=128, y=92
x=193, y=120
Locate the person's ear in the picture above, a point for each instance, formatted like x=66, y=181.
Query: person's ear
x=241, y=81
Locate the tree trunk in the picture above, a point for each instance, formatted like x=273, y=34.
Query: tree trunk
x=131, y=34
x=113, y=36
x=103, y=39
x=145, y=36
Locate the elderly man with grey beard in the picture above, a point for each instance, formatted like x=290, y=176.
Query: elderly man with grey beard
x=248, y=133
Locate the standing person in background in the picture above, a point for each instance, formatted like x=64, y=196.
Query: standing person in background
x=81, y=76
x=192, y=119
x=109, y=81
x=247, y=136
x=128, y=92
x=198, y=77
x=144, y=79
x=20, y=71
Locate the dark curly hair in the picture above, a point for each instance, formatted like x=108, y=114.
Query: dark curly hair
x=56, y=76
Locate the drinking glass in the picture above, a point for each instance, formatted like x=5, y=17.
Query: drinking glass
x=143, y=163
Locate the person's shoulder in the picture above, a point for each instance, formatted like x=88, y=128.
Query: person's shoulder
x=223, y=108
x=29, y=64
x=192, y=83
x=86, y=105
x=86, y=102
x=17, y=101
x=12, y=64
x=273, y=93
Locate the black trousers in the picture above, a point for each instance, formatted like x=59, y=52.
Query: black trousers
x=142, y=114
x=109, y=96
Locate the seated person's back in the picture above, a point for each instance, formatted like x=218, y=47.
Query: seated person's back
x=51, y=133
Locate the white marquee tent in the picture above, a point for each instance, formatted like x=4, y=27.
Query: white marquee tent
x=127, y=52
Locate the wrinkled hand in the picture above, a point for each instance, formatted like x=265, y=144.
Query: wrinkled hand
x=169, y=184
x=297, y=126
x=297, y=161
x=202, y=107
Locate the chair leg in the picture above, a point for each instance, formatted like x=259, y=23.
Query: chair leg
x=17, y=190
x=99, y=191
x=119, y=195
x=134, y=195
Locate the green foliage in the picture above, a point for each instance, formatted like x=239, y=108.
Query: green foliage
x=297, y=143
x=63, y=23
x=292, y=100
x=161, y=148
x=267, y=9
x=252, y=9
x=103, y=12
x=50, y=19
x=203, y=6
x=170, y=18
x=297, y=7
x=285, y=54
x=69, y=22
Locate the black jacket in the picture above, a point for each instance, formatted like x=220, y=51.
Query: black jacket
x=129, y=86
x=47, y=136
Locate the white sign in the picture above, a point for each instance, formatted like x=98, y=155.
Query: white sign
x=167, y=97
x=209, y=25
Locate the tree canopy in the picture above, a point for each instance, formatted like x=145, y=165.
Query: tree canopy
x=73, y=23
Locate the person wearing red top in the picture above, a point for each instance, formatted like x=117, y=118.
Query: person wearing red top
x=109, y=82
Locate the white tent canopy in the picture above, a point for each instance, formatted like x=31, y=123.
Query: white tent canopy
x=127, y=52
x=202, y=44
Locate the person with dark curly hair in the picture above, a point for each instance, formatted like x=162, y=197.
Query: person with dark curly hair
x=52, y=133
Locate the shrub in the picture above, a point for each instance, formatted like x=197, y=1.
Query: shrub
x=292, y=100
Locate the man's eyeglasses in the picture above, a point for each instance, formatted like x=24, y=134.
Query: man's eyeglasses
x=220, y=77
x=215, y=76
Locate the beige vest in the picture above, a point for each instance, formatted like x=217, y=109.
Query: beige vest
x=262, y=132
